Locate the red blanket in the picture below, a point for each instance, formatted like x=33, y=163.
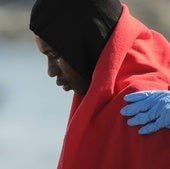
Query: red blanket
x=98, y=137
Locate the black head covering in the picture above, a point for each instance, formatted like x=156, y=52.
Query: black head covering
x=77, y=29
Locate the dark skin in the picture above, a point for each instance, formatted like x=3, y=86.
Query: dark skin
x=58, y=67
x=81, y=44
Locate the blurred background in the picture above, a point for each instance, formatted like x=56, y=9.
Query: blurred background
x=33, y=110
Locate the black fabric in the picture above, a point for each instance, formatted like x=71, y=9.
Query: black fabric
x=77, y=29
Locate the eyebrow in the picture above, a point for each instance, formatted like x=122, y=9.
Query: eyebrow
x=49, y=51
x=46, y=52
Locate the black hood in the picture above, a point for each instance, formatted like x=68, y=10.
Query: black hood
x=76, y=29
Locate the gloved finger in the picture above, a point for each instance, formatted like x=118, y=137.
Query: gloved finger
x=141, y=106
x=141, y=95
x=137, y=96
x=161, y=122
x=146, y=117
x=135, y=108
x=137, y=120
x=149, y=128
x=131, y=109
x=164, y=119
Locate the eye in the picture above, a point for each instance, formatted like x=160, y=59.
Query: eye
x=54, y=56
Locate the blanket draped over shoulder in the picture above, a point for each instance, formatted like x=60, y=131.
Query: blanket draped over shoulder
x=97, y=136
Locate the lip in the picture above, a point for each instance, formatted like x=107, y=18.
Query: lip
x=61, y=82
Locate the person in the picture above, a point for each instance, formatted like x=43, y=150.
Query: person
x=100, y=51
x=150, y=108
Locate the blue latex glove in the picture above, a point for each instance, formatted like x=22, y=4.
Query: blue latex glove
x=149, y=108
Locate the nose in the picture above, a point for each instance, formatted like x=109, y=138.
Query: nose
x=53, y=69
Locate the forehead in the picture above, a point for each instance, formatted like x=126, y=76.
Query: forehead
x=42, y=45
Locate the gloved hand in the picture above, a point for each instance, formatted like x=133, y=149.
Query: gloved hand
x=150, y=108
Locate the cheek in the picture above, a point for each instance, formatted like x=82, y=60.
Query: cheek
x=53, y=69
x=70, y=75
x=76, y=81
x=65, y=68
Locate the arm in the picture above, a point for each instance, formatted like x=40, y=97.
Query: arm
x=149, y=108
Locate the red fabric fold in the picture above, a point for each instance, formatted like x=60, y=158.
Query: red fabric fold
x=98, y=137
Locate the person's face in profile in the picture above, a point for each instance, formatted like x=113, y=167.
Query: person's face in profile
x=66, y=75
